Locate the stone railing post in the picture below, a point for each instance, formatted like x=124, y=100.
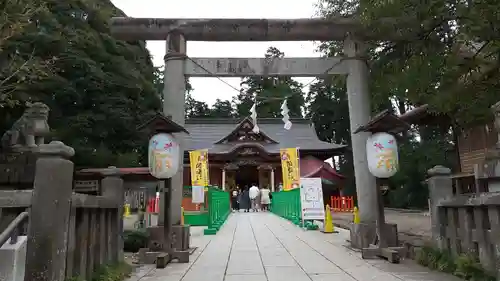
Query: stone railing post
x=50, y=213
x=440, y=187
x=112, y=187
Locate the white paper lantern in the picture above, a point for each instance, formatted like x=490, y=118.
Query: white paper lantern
x=163, y=156
x=382, y=155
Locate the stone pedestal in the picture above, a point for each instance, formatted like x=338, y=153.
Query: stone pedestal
x=440, y=188
x=177, y=249
x=156, y=238
x=362, y=235
x=180, y=237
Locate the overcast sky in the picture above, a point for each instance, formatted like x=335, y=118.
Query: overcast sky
x=209, y=89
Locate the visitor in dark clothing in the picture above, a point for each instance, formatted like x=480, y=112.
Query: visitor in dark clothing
x=245, y=200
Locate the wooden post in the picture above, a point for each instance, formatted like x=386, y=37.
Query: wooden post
x=50, y=214
x=272, y=179
x=167, y=214
x=223, y=179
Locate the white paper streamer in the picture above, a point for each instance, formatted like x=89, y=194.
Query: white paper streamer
x=253, y=115
x=286, y=117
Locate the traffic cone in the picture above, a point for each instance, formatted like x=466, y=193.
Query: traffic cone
x=126, y=212
x=328, y=223
x=356, y=215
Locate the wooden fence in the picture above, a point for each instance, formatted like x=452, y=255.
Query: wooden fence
x=342, y=203
x=70, y=234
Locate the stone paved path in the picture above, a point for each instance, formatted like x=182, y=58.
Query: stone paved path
x=262, y=246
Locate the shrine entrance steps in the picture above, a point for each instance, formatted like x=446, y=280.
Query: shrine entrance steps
x=262, y=246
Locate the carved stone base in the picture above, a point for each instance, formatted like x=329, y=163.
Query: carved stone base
x=180, y=237
x=181, y=256
x=363, y=235
x=145, y=256
x=156, y=238
x=179, y=249
x=392, y=254
x=162, y=260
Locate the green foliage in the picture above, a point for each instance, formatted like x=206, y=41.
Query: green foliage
x=133, y=240
x=196, y=109
x=98, y=88
x=18, y=67
x=222, y=109
x=464, y=266
x=446, y=54
x=199, y=109
x=328, y=110
x=424, y=68
x=112, y=272
x=269, y=93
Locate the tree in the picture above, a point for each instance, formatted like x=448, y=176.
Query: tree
x=15, y=19
x=159, y=74
x=425, y=67
x=270, y=92
x=222, y=109
x=98, y=88
x=199, y=109
x=328, y=110
x=447, y=55
x=196, y=109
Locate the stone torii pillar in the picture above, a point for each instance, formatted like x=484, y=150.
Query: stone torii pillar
x=359, y=114
x=174, y=99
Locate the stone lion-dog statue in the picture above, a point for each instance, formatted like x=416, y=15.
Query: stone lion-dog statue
x=30, y=129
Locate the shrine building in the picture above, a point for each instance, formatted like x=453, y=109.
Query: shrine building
x=238, y=156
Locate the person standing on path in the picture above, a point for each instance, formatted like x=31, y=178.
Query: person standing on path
x=254, y=194
x=234, y=199
x=245, y=200
x=265, y=199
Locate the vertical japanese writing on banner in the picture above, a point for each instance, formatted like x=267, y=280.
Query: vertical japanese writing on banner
x=198, y=160
x=290, y=168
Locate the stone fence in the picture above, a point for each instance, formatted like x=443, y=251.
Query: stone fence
x=69, y=234
x=465, y=223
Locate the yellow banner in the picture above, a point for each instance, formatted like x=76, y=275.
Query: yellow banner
x=198, y=160
x=290, y=168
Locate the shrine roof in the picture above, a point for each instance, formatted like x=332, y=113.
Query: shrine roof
x=313, y=167
x=207, y=133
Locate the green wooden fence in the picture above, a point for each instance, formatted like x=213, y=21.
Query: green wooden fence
x=218, y=209
x=286, y=204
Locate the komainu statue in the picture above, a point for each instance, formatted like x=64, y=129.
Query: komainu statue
x=496, y=113
x=29, y=130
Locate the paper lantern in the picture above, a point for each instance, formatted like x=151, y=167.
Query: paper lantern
x=163, y=156
x=382, y=155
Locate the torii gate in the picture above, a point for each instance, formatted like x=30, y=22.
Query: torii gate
x=177, y=67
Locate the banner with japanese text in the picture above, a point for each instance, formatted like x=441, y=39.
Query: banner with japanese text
x=198, y=160
x=290, y=168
